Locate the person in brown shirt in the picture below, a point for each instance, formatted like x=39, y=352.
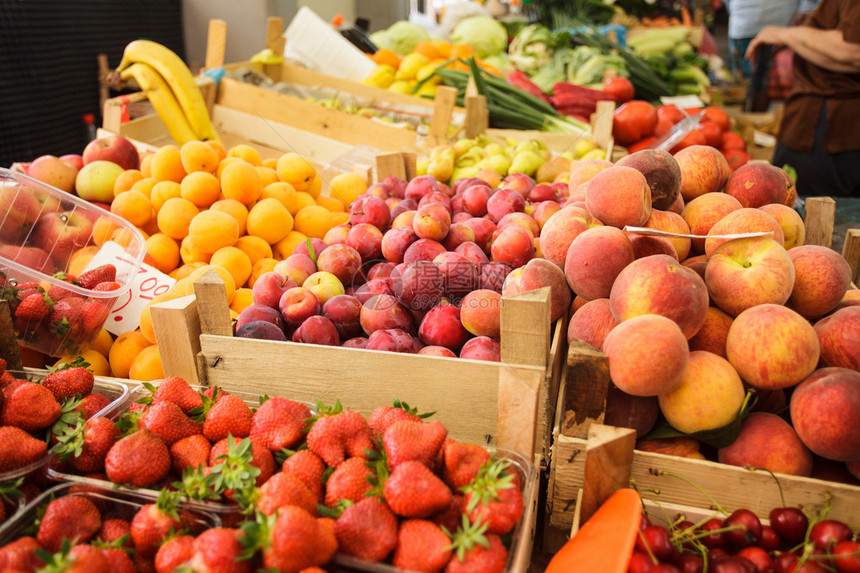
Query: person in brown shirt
x=820, y=132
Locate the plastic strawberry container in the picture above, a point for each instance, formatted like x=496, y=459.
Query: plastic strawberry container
x=112, y=504
x=117, y=392
x=45, y=231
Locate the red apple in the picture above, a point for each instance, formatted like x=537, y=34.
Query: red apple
x=115, y=148
x=76, y=160
x=54, y=171
x=61, y=234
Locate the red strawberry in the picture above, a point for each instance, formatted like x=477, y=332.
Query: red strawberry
x=69, y=380
x=494, y=497
x=32, y=308
x=421, y=546
x=451, y=518
x=350, y=480
x=71, y=517
x=218, y=550
x=114, y=529
x=20, y=555
x=173, y=553
x=93, y=315
x=10, y=387
x=87, y=444
x=308, y=468
x=31, y=407
x=154, y=521
x=367, y=529
x=177, y=390
x=118, y=560
x=79, y=559
x=19, y=449
x=285, y=489
x=413, y=441
x=462, y=462
x=475, y=552
x=107, y=286
x=6, y=378
x=278, y=423
x=414, y=491
x=293, y=540
x=235, y=472
x=101, y=274
x=261, y=458
x=167, y=421
x=56, y=292
x=383, y=417
x=228, y=415
x=215, y=393
x=65, y=318
x=141, y=459
x=92, y=404
x=337, y=434
x=192, y=452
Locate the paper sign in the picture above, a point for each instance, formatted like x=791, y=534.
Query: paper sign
x=148, y=283
x=668, y=235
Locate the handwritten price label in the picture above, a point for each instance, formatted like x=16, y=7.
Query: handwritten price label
x=146, y=284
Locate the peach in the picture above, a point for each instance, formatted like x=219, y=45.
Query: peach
x=767, y=441
x=432, y=221
x=459, y=274
x=647, y=245
x=437, y=351
x=513, y=246
x=680, y=446
x=709, y=397
x=297, y=267
x=382, y=311
x=481, y=348
x=839, y=338
x=527, y=222
x=423, y=250
x=743, y=273
x=851, y=298
x=481, y=313
x=343, y=311
x=744, y=220
x=544, y=211
x=647, y=355
x=340, y=260
x=704, y=211
x=677, y=206
x=772, y=347
x=660, y=285
x=519, y=182
x=458, y=234
x=296, y=305
x=661, y=171
x=626, y=411
x=793, y=227
x=261, y=330
x=366, y=239
x=712, y=335
x=390, y=340
x=583, y=171
x=592, y=322
x=395, y=241
x=619, y=196
x=503, y=202
x=698, y=263
x=759, y=183
x=317, y=330
x=419, y=285
x=822, y=278
x=539, y=273
x=594, y=260
x=442, y=327
x=824, y=410
x=493, y=276
x=560, y=230
x=269, y=288
x=671, y=223
x=704, y=169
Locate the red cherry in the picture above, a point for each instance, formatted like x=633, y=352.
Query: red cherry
x=717, y=553
x=828, y=533
x=640, y=563
x=758, y=557
x=784, y=562
x=732, y=564
x=665, y=568
x=846, y=557
x=714, y=540
x=656, y=539
x=689, y=563
x=644, y=521
x=770, y=540
x=790, y=523
x=751, y=532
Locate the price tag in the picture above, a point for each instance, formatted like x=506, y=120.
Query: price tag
x=146, y=284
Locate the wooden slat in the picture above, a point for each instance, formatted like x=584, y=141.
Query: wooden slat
x=410, y=163
x=390, y=164
x=528, y=522
x=585, y=389
x=212, y=306
x=276, y=42
x=519, y=396
x=177, y=332
x=524, y=324
x=216, y=44
x=443, y=108
x=477, y=117
x=851, y=253
x=9, y=350
x=601, y=125
x=820, y=215
x=608, y=461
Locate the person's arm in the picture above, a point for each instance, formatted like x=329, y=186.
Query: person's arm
x=825, y=48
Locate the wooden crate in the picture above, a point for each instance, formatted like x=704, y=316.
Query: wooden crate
x=510, y=404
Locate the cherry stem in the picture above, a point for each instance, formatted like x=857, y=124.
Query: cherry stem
x=697, y=488
x=654, y=560
x=778, y=484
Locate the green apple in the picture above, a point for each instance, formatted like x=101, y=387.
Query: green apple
x=95, y=181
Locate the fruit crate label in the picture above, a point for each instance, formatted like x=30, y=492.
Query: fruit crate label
x=146, y=284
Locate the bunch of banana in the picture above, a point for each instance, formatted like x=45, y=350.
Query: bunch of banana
x=170, y=87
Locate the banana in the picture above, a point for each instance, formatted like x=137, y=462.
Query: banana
x=163, y=100
x=178, y=77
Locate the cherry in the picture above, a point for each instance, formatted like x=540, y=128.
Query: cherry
x=758, y=557
x=665, y=568
x=732, y=564
x=717, y=553
x=640, y=563
x=846, y=556
x=790, y=523
x=657, y=539
x=784, y=562
x=770, y=540
x=689, y=563
x=751, y=532
x=686, y=528
x=644, y=521
x=829, y=532
x=714, y=540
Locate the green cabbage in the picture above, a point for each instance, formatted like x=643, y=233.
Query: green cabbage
x=403, y=36
x=485, y=35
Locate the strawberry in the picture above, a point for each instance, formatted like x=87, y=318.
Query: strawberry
x=177, y=390
x=167, y=421
x=72, y=518
x=234, y=471
x=20, y=555
x=337, y=434
x=285, y=489
x=261, y=458
x=155, y=521
x=413, y=441
x=192, y=451
x=494, y=497
x=104, y=273
x=462, y=462
x=56, y=292
x=118, y=560
x=451, y=517
x=421, y=546
x=115, y=530
x=476, y=552
x=87, y=443
x=278, y=423
x=218, y=550
x=290, y=540
x=383, y=417
x=70, y=379
x=140, y=459
x=65, y=318
x=226, y=415
x=19, y=449
x=173, y=553
x=78, y=559
x=308, y=468
x=350, y=480
x=93, y=315
x=32, y=308
x=10, y=386
x=92, y=404
x=413, y=491
x=107, y=286
x=31, y=407
x=367, y=530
